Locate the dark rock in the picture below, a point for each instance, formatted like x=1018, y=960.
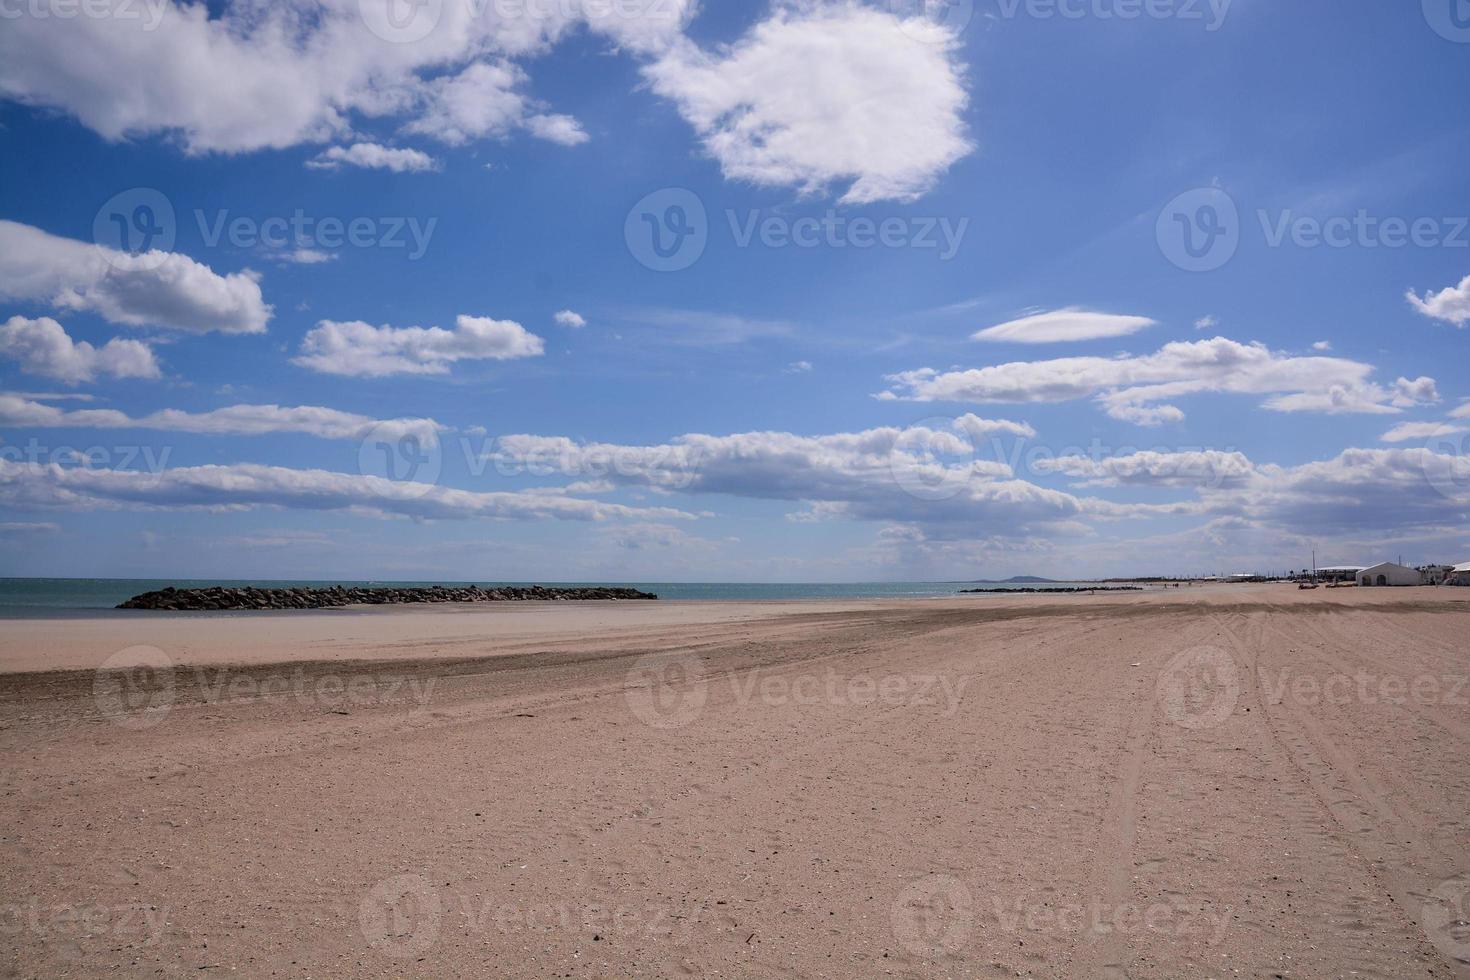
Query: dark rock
x=220, y=598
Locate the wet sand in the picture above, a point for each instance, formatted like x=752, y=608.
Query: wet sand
x=1222, y=782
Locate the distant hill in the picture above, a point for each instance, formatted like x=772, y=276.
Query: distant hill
x=1021, y=580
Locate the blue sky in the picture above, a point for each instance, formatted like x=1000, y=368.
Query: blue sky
x=795, y=390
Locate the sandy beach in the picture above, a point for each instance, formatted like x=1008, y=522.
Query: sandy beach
x=1228, y=781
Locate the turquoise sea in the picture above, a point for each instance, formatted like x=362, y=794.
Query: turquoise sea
x=22, y=597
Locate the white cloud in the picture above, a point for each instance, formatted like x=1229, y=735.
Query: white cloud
x=827, y=94
x=1135, y=387
x=659, y=537
x=1342, y=399
x=1419, y=391
x=484, y=101
x=1463, y=412
x=478, y=102
x=701, y=328
x=1362, y=488
x=161, y=289
x=358, y=349
x=815, y=95
x=557, y=128
x=567, y=318
x=1419, y=431
x=976, y=427
x=799, y=367
x=1381, y=489
x=246, y=485
x=252, y=76
x=1194, y=468
x=42, y=347
x=1322, y=345
x=306, y=256
x=28, y=527
x=1208, y=322
x=1451, y=304
x=934, y=474
x=55, y=396
x=373, y=156
x=247, y=420
x=1060, y=326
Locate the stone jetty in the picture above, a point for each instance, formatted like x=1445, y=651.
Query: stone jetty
x=220, y=597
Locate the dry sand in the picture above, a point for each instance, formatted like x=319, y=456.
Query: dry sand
x=1232, y=782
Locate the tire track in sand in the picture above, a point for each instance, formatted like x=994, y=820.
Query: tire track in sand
x=1104, y=953
x=1389, y=844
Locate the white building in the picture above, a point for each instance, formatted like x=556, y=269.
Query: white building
x=1460, y=575
x=1435, y=574
x=1389, y=573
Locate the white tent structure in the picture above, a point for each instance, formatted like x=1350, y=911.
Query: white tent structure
x=1460, y=575
x=1389, y=573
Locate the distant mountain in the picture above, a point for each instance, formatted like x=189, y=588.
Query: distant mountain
x=1021, y=580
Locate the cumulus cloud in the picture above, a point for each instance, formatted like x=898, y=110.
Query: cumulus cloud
x=817, y=94
x=159, y=289
x=567, y=318
x=1383, y=489
x=243, y=420
x=1194, y=468
x=930, y=481
x=374, y=156
x=248, y=486
x=929, y=473
x=1135, y=388
x=1322, y=345
x=1340, y=399
x=1207, y=322
x=557, y=128
x=1064, y=325
x=1451, y=304
x=358, y=349
x=1463, y=412
x=820, y=95
x=248, y=76
x=480, y=101
x=42, y=347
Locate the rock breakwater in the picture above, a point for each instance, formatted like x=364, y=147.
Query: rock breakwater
x=220, y=597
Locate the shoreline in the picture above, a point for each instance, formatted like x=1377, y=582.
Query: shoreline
x=405, y=632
